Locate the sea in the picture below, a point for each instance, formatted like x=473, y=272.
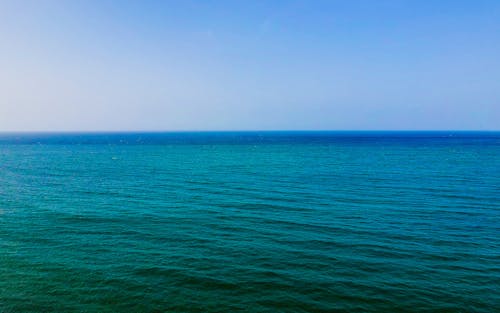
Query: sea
x=250, y=222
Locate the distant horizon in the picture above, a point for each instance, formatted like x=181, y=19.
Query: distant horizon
x=249, y=131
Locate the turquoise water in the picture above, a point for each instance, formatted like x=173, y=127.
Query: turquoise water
x=250, y=222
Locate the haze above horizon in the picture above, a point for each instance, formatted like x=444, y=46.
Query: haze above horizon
x=256, y=65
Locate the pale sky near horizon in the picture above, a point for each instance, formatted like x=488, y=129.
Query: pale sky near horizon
x=249, y=65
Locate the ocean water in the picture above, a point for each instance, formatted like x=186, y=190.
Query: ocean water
x=250, y=222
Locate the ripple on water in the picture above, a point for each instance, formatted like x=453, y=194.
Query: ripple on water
x=311, y=224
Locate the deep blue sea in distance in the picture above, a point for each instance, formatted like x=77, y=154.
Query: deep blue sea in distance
x=250, y=222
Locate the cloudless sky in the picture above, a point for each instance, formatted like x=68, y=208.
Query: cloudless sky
x=249, y=65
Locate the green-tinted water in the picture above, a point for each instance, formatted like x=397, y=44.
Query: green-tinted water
x=250, y=222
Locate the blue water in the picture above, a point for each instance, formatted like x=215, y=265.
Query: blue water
x=250, y=222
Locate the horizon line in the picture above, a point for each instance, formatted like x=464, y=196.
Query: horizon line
x=236, y=131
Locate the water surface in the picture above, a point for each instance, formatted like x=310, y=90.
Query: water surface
x=251, y=222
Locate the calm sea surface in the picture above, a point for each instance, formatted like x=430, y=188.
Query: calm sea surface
x=250, y=222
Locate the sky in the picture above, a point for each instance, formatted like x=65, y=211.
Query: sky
x=249, y=65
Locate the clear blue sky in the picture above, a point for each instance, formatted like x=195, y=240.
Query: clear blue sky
x=245, y=65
